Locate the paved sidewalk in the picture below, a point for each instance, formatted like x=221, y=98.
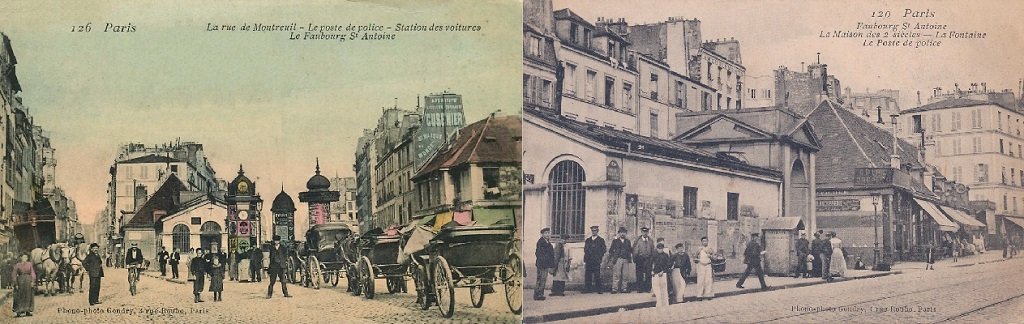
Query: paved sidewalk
x=970, y=260
x=575, y=304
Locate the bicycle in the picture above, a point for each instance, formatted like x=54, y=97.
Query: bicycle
x=133, y=278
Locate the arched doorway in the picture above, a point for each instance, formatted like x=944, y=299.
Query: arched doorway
x=800, y=194
x=180, y=239
x=209, y=233
x=568, y=200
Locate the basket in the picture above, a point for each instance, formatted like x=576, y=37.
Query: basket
x=718, y=264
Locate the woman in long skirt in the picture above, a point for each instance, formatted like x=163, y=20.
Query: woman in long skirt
x=216, y=262
x=837, y=264
x=705, y=275
x=24, y=292
x=198, y=269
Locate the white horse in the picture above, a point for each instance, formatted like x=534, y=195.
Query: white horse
x=78, y=254
x=46, y=267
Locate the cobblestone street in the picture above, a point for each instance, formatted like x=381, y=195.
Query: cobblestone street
x=989, y=293
x=166, y=302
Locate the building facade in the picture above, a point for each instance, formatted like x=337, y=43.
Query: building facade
x=344, y=210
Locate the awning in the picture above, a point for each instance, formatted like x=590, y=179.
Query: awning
x=945, y=224
x=493, y=216
x=1018, y=221
x=962, y=218
x=441, y=219
x=782, y=223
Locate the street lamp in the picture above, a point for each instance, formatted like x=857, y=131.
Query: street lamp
x=875, y=197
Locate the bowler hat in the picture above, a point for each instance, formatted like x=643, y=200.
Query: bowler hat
x=594, y=227
x=277, y=237
x=622, y=230
x=93, y=245
x=135, y=243
x=545, y=230
x=644, y=229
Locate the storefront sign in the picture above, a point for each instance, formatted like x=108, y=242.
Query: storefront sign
x=839, y=205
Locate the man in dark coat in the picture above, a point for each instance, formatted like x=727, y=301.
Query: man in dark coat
x=752, y=258
x=619, y=255
x=198, y=269
x=817, y=247
x=255, y=264
x=162, y=258
x=643, y=250
x=826, y=257
x=545, y=262
x=173, y=259
x=94, y=266
x=593, y=252
x=278, y=257
x=802, y=249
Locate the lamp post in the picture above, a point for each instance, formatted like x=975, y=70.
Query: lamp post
x=875, y=197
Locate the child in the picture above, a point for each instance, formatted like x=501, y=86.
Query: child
x=810, y=263
x=859, y=265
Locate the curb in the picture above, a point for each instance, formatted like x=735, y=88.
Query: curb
x=649, y=304
x=977, y=263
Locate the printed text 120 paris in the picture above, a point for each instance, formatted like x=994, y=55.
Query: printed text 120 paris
x=107, y=27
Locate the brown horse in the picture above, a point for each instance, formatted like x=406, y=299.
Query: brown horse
x=46, y=267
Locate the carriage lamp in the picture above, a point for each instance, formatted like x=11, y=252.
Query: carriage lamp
x=875, y=197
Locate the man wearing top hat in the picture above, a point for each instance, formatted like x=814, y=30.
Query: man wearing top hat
x=278, y=257
x=619, y=255
x=593, y=252
x=643, y=250
x=545, y=262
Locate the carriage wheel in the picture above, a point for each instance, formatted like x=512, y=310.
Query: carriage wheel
x=423, y=290
x=335, y=278
x=444, y=288
x=315, y=277
x=476, y=296
x=366, y=273
x=514, y=284
x=353, y=280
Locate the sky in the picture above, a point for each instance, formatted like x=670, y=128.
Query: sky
x=257, y=99
x=777, y=33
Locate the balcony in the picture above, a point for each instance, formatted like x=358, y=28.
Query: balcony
x=881, y=177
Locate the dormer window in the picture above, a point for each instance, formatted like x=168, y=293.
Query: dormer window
x=573, y=34
x=586, y=38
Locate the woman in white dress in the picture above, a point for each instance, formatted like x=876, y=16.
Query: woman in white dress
x=705, y=276
x=838, y=264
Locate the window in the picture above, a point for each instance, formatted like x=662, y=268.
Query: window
x=680, y=94
x=586, y=38
x=768, y=94
x=609, y=91
x=976, y=118
x=570, y=78
x=1004, y=176
x=535, y=46
x=709, y=72
x=937, y=122
x=568, y=200
x=999, y=119
x=545, y=91
x=1001, y=149
x=1005, y=204
x=733, y=208
x=654, y=123
x=526, y=88
x=573, y=34
x=689, y=201
x=718, y=104
x=492, y=180
x=591, y=84
x=654, y=87
x=977, y=144
x=957, y=172
x=981, y=172
x=956, y=121
x=180, y=238
x=753, y=93
x=627, y=96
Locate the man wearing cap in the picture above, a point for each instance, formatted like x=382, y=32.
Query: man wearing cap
x=94, y=267
x=545, y=262
x=593, y=252
x=619, y=255
x=278, y=257
x=802, y=249
x=752, y=257
x=643, y=250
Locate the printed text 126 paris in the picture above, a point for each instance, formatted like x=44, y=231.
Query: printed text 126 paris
x=107, y=28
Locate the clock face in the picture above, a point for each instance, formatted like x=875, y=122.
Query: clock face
x=243, y=215
x=243, y=187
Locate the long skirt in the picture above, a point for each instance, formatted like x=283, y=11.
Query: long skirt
x=197, y=286
x=838, y=263
x=705, y=279
x=24, y=297
x=659, y=285
x=217, y=280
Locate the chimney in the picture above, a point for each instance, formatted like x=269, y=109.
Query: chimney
x=919, y=98
x=140, y=196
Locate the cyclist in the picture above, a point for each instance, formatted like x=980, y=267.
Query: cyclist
x=133, y=260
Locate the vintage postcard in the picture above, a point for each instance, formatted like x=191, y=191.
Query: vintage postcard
x=261, y=161
x=773, y=161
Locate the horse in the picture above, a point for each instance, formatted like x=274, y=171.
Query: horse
x=77, y=258
x=46, y=267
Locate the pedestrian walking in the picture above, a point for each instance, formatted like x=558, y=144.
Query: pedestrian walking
x=680, y=269
x=594, y=249
x=802, y=250
x=278, y=257
x=8, y=263
x=216, y=262
x=957, y=246
x=838, y=257
x=752, y=258
x=198, y=270
x=94, y=267
x=620, y=255
x=24, y=276
x=661, y=266
x=825, y=256
x=561, y=274
x=255, y=264
x=705, y=275
x=929, y=257
x=545, y=254
x=643, y=250
x=173, y=260
x=162, y=257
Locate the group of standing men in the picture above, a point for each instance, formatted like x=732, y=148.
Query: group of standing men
x=815, y=257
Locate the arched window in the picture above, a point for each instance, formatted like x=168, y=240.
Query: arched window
x=210, y=228
x=568, y=200
x=180, y=238
x=801, y=192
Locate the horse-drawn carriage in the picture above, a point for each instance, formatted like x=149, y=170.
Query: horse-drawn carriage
x=323, y=263
x=474, y=257
x=377, y=259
